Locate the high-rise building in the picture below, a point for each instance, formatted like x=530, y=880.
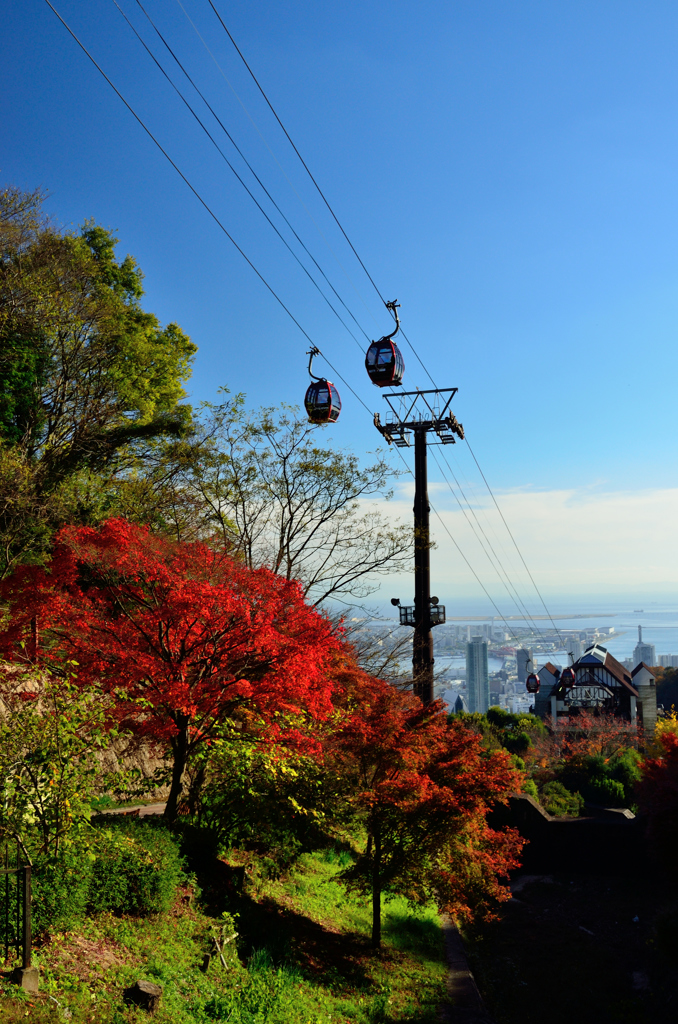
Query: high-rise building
x=574, y=648
x=525, y=663
x=644, y=652
x=477, y=675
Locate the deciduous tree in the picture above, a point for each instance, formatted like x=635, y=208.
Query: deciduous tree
x=180, y=635
x=87, y=377
x=422, y=786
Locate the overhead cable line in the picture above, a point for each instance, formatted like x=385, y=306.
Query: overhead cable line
x=513, y=594
x=228, y=162
x=311, y=176
x=475, y=574
x=520, y=603
x=282, y=169
x=289, y=139
x=181, y=174
x=247, y=163
x=513, y=539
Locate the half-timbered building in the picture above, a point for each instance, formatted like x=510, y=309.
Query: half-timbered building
x=601, y=685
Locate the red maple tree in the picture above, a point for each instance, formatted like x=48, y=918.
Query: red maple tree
x=658, y=800
x=179, y=634
x=422, y=786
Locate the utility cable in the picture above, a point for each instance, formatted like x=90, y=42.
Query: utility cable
x=282, y=169
x=289, y=139
x=179, y=172
x=229, y=164
x=505, y=581
x=247, y=163
x=475, y=574
x=514, y=541
x=520, y=604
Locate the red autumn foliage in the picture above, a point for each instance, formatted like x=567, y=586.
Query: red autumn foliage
x=423, y=785
x=658, y=799
x=585, y=735
x=179, y=634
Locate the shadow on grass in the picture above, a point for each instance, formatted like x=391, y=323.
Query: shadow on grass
x=286, y=936
x=421, y=936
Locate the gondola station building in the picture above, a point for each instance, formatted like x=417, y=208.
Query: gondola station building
x=598, y=683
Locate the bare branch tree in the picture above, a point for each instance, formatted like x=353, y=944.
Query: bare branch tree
x=271, y=492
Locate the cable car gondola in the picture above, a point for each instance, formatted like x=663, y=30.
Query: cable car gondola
x=384, y=361
x=322, y=400
x=533, y=683
x=567, y=678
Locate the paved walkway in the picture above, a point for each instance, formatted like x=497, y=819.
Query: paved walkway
x=142, y=809
x=466, y=1003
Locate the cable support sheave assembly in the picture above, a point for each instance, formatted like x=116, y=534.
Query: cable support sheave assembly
x=274, y=293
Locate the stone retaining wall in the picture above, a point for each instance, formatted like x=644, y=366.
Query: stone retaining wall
x=610, y=841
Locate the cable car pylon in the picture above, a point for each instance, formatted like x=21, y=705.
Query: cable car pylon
x=419, y=413
x=322, y=400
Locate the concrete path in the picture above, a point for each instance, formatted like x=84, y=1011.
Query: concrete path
x=140, y=811
x=466, y=1003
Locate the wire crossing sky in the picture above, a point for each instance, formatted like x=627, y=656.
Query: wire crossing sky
x=506, y=171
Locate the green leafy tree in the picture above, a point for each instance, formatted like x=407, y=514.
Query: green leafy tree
x=88, y=379
x=50, y=735
x=262, y=485
x=252, y=786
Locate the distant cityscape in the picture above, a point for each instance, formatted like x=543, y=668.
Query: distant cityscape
x=464, y=653
x=479, y=689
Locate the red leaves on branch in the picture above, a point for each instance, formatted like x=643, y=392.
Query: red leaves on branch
x=181, y=635
x=587, y=734
x=424, y=785
x=658, y=799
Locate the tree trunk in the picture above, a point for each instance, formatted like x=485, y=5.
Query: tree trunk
x=180, y=751
x=376, y=890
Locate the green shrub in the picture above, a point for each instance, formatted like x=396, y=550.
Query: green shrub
x=530, y=787
x=125, y=868
x=609, y=782
x=60, y=890
x=137, y=869
x=605, y=792
x=559, y=801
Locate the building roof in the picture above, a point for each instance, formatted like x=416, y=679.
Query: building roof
x=642, y=665
x=550, y=667
x=595, y=653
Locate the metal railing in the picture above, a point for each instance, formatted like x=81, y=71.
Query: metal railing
x=15, y=908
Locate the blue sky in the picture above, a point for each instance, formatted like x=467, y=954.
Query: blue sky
x=507, y=171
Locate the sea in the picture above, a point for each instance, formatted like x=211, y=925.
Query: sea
x=659, y=622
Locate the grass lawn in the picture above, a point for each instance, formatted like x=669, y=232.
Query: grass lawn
x=301, y=956
x=578, y=948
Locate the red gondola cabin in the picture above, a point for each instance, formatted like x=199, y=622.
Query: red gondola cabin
x=384, y=363
x=322, y=402
x=567, y=678
x=532, y=683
